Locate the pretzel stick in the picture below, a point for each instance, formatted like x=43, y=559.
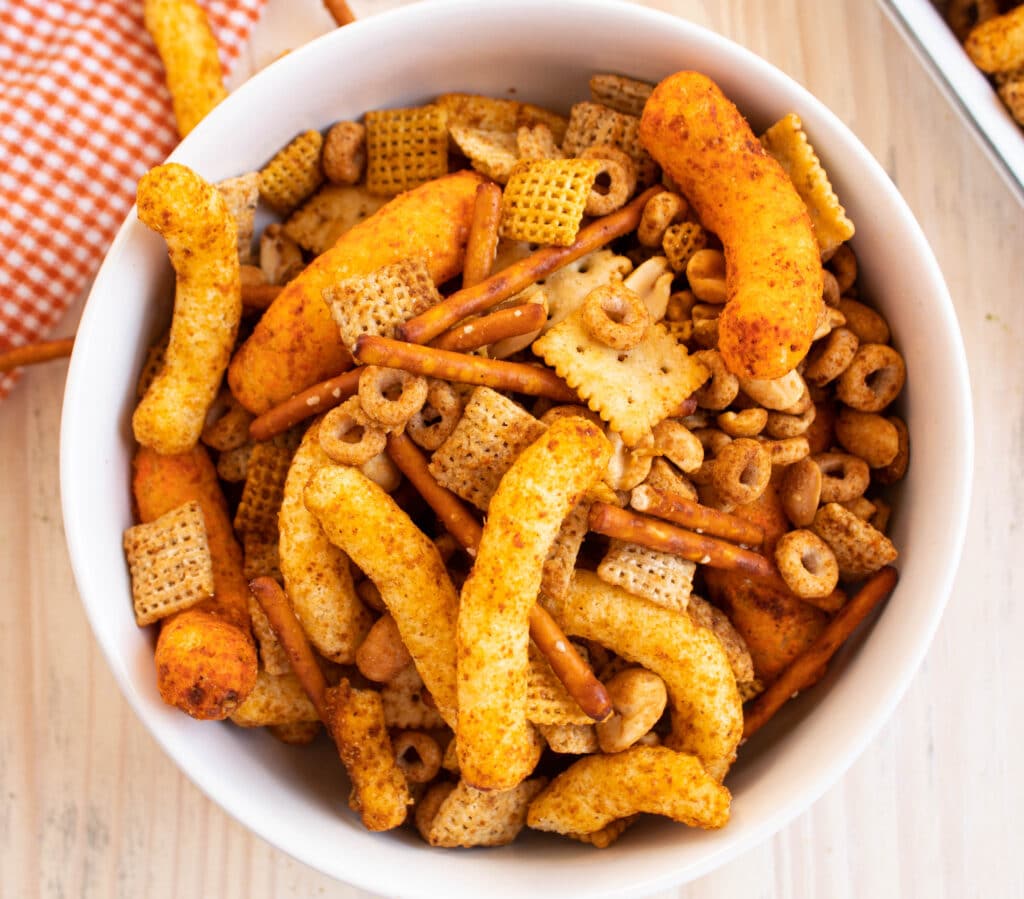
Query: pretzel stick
x=259, y=296
x=491, y=328
x=312, y=401
x=292, y=637
x=340, y=12
x=569, y=666
x=447, y=366
x=460, y=522
x=32, y=353
x=805, y=668
x=702, y=519
x=654, y=534
x=501, y=285
x=483, y=235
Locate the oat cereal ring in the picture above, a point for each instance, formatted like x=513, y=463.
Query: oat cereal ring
x=831, y=293
x=873, y=379
x=620, y=172
x=868, y=435
x=706, y=273
x=843, y=266
x=781, y=425
x=678, y=444
x=433, y=424
x=615, y=316
x=742, y=471
x=779, y=394
x=721, y=390
x=746, y=423
x=807, y=564
x=713, y=440
x=662, y=210
x=787, y=450
x=417, y=755
x=867, y=324
x=344, y=153
x=843, y=476
x=897, y=468
x=800, y=491
x=829, y=359
x=349, y=437
x=390, y=396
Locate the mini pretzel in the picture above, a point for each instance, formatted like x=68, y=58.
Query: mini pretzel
x=807, y=564
x=723, y=387
x=800, y=491
x=873, y=379
x=432, y=425
x=742, y=471
x=376, y=395
x=624, y=525
x=348, y=436
x=482, y=242
x=683, y=511
x=615, y=316
x=831, y=358
x=621, y=173
x=843, y=477
x=638, y=697
x=747, y=423
x=868, y=435
x=661, y=211
x=417, y=754
x=678, y=444
x=706, y=273
x=382, y=655
x=520, y=275
x=313, y=401
x=432, y=362
x=778, y=393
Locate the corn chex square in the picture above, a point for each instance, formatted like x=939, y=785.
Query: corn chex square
x=489, y=437
x=263, y=490
x=620, y=93
x=630, y=389
x=328, y=214
x=592, y=123
x=547, y=700
x=570, y=739
x=544, y=200
x=561, y=561
x=380, y=301
x=663, y=578
x=471, y=817
x=294, y=172
x=405, y=148
x=170, y=564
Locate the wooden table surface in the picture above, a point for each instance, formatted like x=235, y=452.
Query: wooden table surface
x=91, y=807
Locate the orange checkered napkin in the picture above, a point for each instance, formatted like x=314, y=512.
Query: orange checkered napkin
x=83, y=114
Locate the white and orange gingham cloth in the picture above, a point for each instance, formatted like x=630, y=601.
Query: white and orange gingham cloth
x=84, y=112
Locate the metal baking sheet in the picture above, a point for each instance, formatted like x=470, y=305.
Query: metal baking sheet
x=967, y=88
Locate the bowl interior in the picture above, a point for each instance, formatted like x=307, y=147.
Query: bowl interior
x=543, y=52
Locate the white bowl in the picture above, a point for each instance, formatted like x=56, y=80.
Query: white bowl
x=296, y=798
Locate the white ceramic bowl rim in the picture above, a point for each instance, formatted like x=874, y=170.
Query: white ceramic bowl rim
x=791, y=766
